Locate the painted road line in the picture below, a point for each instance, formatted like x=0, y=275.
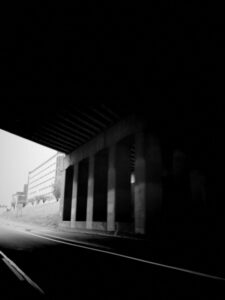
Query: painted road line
x=19, y=273
x=74, y=244
x=72, y=241
x=13, y=269
x=61, y=238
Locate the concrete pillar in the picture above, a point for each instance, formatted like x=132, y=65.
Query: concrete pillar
x=154, y=169
x=90, y=194
x=148, y=185
x=123, y=182
x=62, y=193
x=82, y=192
x=100, y=186
x=140, y=185
x=68, y=194
x=111, y=194
x=74, y=196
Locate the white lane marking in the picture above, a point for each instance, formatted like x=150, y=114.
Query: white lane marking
x=12, y=266
x=13, y=270
x=72, y=241
x=132, y=258
x=60, y=238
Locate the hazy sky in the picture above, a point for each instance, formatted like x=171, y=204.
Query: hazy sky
x=18, y=156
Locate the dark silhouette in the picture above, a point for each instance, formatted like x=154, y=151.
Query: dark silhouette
x=177, y=198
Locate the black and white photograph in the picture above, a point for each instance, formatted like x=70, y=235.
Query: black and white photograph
x=112, y=150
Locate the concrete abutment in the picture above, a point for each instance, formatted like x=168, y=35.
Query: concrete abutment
x=121, y=182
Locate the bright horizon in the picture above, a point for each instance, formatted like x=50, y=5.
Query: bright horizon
x=18, y=156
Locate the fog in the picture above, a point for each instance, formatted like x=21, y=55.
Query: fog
x=18, y=156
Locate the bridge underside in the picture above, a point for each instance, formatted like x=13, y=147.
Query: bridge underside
x=141, y=178
x=137, y=168
x=66, y=124
x=145, y=152
x=59, y=124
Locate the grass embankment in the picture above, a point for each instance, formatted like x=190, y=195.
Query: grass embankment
x=46, y=214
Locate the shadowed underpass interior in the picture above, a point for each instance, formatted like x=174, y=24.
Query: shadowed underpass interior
x=133, y=97
x=100, y=186
x=82, y=190
x=123, y=180
x=68, y=194
x=140, y=183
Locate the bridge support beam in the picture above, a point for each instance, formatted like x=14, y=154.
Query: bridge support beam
x=90, y=193
x=62, y=192
x=103, y=197
x=140, y=185
x=111, y=195
x=154, y=170
x=123, y=183
x=148, y=183
x=68, y=194
x=74, y=195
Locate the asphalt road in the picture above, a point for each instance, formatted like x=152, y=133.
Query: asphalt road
x=66, y=271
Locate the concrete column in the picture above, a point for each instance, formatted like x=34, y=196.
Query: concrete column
x=154, y=171
x=74, y=196
x=111, y=194
x=100, y=188
x=148, y=185
x=90, y=196
x=61, y=204
x=82, y=192
x=123, y=184
x=68, y=194
x=140, y=185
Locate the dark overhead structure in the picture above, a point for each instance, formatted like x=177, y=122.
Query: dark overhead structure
x=59, y=126
x=132, y=99
x=65, y=126
x=58, y=60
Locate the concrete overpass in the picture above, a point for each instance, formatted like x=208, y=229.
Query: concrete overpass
x=124, y=163
x=144, y=78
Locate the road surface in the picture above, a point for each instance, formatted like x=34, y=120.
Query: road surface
x=63, y=269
